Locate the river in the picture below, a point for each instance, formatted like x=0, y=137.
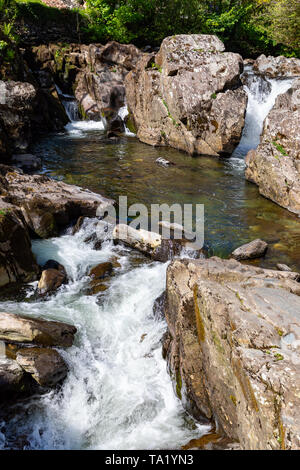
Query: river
x=118, y=394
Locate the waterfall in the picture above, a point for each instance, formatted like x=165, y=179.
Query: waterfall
x=262, y=93
x=118, y=394
x=71, y=108
x=123, y=113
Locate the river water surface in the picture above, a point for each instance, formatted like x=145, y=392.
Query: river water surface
x=118, y=394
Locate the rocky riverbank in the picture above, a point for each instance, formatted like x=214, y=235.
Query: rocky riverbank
x=233, y=348
x=232, y=344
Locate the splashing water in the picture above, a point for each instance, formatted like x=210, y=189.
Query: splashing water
x=262, y=93
x=118, y=394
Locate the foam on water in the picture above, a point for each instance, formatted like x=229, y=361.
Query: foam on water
x=118, y=394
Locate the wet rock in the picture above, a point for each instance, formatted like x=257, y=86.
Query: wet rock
x=98, y=274
x=78, y=224
x=17, y=263
x=172, y=248
x=277, y=67
x=101, y=271
x=283, y=267
x=141, y=240
x=95, y=240
x=51, y=280
x=49, y=205
x=52, y=264
x=275, y=165
x=45, y=365
x=188, y=96
x=27, y=162
x=255, y=249
x=12, y=378
x=233, y=348
x=21, y=329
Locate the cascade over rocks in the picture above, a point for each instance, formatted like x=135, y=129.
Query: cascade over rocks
x=94, y=73
x=233, y=347
x=29, y=360
x=275, y=165
x=188, y=96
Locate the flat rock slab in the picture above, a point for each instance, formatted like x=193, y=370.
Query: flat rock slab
x=255, y=249
x=17, y=328
x=233, y=346
x=45, y=365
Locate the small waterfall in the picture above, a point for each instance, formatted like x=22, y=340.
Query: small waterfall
x=123, y=113
x=71, y=108
x=262, y=93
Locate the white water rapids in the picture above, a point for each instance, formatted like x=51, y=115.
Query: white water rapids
x=118, y=394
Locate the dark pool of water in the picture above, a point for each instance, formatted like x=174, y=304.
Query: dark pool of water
x=235, y=212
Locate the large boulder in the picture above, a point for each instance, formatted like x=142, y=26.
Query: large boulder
x=277, y=67
x=233, y=348
x=17, y=262
x=275, y=165
x=48, y=205
x=188, y=96
x=21, y=329
x=44, y=364
x=17, y=101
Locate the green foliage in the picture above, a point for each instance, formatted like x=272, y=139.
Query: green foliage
x=250, y=27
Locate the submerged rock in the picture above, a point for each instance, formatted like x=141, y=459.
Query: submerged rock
x=255, y=249
x=27, y=162
x=21, y=329
x=233, y=347
x=275, y=165
x=45, y=365
x=188, y=96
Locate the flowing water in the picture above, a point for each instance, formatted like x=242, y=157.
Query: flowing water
x=118, y=394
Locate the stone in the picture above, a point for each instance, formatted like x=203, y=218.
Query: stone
x=188, y=96
x=255, y=249
x=52, y=264
x=50, y=281
x=233, y=348
x=12, y=378
x=48, y=205
x=101, y=271
x=20, y=329
x=141, y=240
x=44, y=364
x=17, y=262
x=277, y=67
x=283, y=267
x=163, y=162
x=275, y=165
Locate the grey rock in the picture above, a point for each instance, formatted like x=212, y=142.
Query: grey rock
x=255, y=249
x=21, y=329
x=233, y=347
